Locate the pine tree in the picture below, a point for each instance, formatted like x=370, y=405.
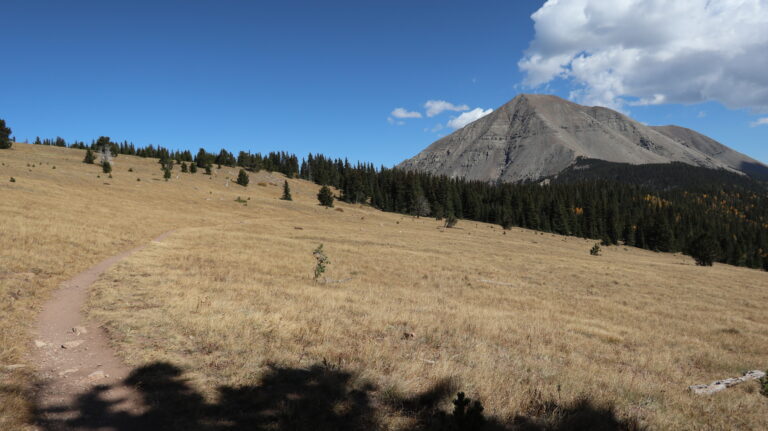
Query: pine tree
x=5, y=133
x=167, y=174
x=242, y=178
x=286, y=192
x=192, y=168
x=106, y=167
x=184, y=167
x=207, y=169
x=325, y=196
x=89, y=157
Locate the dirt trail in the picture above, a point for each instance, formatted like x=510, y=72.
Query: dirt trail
x=74, y=358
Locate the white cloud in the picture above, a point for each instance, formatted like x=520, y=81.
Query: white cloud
x=643, y=52
x=701, y=114
x=394, y=122
x=435, y=107
x=468, y=117
x=760, y=122
x=404, y=113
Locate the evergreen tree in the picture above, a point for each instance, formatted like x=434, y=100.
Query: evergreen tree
x=286, y=192
x=167, y=174
x=242, y=178
x=703, y=249
x=192, y=168
x=184, y=167
x=5, y=133
x=207, y=169
x=325, y=196
x=89, y=157
x=106, y=167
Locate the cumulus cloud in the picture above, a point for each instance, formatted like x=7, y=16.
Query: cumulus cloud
x=760, y=122
x=435, y=107
x=468, y=117
x=404, y=113
x=646, y=52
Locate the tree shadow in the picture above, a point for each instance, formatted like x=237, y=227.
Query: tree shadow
x=321, y=397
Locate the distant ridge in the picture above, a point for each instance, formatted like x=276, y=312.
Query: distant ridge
x=534, y=136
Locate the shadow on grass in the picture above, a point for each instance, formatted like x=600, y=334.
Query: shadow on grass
x=321, y=397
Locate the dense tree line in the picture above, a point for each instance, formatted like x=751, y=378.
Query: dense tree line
x=733, y=215
x=667, y=207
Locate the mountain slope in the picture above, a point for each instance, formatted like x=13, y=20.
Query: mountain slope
x=534, y=136
x=716, y=150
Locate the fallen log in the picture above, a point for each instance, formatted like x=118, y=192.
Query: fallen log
x=719, y=385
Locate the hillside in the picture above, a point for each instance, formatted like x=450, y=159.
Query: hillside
x=515, y=318
x=536, y=135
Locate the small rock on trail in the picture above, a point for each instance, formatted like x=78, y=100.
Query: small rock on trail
x=72, y=344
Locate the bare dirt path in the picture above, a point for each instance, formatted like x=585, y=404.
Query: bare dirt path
x=75, y=362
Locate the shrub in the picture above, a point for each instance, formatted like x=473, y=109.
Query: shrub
x=321, y=260
x=286, y=192
x=208, y=170
x=183, y=167
x=242, y=178
x=167, y=174
x=595, y=250
x=13, y=180
x=130, y=169
x=507, y=224
x=89, y=157
x=325, y=197
x=703, y=249
x=192, y=168
x=106, y=167
x=450, y=221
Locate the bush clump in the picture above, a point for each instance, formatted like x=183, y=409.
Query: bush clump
x=325, y=197
x=242, y=178
x=450, y=221
x=703, y=249
x=89, y=157
x=595, y=250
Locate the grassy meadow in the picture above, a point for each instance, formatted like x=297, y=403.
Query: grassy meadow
x=518, y=319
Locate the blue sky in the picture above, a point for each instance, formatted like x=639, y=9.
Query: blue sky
x=302, y=76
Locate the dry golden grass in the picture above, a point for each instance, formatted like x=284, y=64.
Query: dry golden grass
x=57, y=222
x=508, y=316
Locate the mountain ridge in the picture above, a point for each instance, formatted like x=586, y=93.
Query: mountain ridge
x=535, y=136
